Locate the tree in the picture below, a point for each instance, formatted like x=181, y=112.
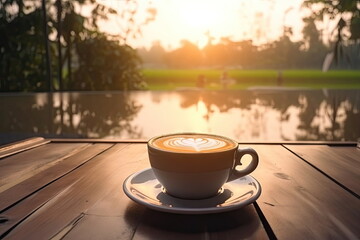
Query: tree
x=314, y=49
x=346, y=13
x=311, y=34
x=130, y=20
x=21, y=46
x=217, y=55
x=116, y=69
x=154, y=56
x=22, y=58
x=187, y=56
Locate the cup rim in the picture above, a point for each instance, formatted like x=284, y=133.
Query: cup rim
x=149, y=143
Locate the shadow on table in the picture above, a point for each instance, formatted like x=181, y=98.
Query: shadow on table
x=239, y=224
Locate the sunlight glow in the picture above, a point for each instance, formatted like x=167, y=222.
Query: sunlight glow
x=198, y=15
x=201, y=20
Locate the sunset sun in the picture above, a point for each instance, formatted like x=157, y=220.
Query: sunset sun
x=198, y=15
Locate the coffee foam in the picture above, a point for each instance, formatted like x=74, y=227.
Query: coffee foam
x=193, y=143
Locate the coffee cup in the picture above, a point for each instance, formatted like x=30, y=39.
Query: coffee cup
x=197, y=165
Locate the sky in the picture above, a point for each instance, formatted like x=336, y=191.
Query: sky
x=194, y=20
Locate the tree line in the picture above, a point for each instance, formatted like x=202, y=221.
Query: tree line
x=51, y=46
x=280, y=54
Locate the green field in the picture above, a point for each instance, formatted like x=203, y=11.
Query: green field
x=170, y=79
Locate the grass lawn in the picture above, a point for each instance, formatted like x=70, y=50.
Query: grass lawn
x=170, y=79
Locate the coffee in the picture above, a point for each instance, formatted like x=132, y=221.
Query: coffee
x=196, y=165
x=193, y=143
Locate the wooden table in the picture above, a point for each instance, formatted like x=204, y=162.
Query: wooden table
x=72, y=189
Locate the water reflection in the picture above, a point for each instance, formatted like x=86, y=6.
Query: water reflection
x=256, y=115
x=94, y=115
x=283, y=115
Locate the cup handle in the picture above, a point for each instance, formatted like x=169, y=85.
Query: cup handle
x=251, y=167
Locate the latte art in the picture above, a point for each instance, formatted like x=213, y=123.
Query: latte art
x=197, y=144
x=193, y=143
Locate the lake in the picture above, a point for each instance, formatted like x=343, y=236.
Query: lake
x=264, y=115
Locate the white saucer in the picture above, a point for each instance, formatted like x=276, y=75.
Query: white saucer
x=144, y=188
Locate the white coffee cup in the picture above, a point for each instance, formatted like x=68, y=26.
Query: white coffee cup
x=196, y=165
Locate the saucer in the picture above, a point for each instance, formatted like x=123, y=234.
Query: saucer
x=143, y=188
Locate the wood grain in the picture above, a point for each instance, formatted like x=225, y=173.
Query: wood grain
x=114, y=216
x=340, y=163
x=21, y=146
x=41, y=179
x=17, y=168
x=50, y=210
x=301, y=203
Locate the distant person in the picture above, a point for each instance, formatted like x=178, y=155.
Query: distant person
x=280, y=78
x=225, y=80
x=201, y=81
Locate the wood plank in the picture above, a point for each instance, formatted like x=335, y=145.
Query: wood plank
x=340, y=163
x=301, y=203
x=50, y=210
x=40, y=202
x=17, y=168
x=21, y=146
x=36, y=182
x=114, y=216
